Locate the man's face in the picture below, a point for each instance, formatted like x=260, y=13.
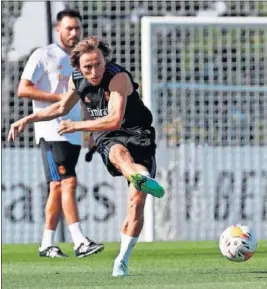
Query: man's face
x=92, y=66
x=69, y=31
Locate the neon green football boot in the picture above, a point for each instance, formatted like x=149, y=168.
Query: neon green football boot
x=147, y=185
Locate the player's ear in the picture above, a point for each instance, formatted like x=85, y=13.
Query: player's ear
x=57, y=26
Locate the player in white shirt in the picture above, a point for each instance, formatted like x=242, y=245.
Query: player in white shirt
x=45, y=80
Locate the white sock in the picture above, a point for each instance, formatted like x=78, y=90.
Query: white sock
x=127, y=245
x=77, y=235
x=145, y=173
x=48, y=239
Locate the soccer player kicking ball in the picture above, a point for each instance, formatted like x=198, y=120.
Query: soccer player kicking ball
x=121, y=128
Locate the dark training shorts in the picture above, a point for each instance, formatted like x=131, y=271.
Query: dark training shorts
x=59, y=159
x=140, y=143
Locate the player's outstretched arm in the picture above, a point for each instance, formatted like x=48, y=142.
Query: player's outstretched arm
x=52, y=111
x=16, y=128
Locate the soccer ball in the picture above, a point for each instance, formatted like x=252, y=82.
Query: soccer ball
x=238, y=243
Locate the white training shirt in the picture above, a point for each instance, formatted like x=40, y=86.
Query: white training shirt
x=48, y=68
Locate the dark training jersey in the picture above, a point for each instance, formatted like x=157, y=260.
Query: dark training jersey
x=96, y=99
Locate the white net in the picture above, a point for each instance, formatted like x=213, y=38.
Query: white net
x=209, y=98
x=213, y=80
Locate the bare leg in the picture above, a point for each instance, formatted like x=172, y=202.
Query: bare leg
x=52, y=214
x=141, y=183
x=137, y=174
x=123, y=161
x=130, y=231
x=68, y=200
x=134, y=221
x=70, y=210
x=53, y=206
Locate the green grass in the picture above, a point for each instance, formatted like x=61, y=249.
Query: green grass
x=186, y=265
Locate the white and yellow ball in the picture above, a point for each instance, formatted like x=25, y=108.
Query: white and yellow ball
x=238, y=243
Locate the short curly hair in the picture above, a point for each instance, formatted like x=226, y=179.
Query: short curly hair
x=87, y=45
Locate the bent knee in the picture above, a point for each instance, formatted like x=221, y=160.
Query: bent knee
x=119, y=154
x=69, y=183
x=54, y=187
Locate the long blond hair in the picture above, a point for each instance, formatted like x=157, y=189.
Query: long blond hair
x=87, y=45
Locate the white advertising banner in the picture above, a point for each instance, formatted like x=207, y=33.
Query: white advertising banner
x=207, y=189
x=101, y=198
x=210, y=188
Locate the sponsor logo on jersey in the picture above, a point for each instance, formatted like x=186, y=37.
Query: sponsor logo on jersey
x=97, y=113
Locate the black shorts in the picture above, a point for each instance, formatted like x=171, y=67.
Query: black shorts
x=59, y=159
x=139, y=142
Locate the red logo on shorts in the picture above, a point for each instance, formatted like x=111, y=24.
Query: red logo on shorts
x=61, y=170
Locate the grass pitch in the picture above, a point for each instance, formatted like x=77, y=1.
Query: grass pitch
x=185, y=265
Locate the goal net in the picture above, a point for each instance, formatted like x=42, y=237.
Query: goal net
x=205, y=80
